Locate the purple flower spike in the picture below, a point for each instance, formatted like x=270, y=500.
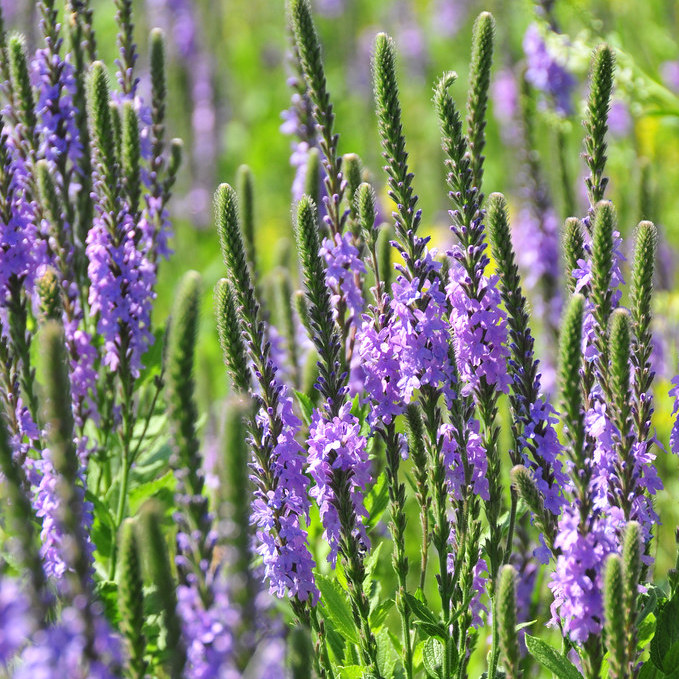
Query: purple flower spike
x=343, y=274
x=338, y=445
x=288, y=565
x=480, y=332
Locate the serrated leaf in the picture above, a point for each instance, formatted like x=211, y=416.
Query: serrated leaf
x=420, y=610
x=385, y=656
x=438, y=631
x=337, y=608
x=666, y=635
x=432, y=658
x=351, y=672
x=551, y=659
x=379, y=615
x=372, y=561
x=305, y=405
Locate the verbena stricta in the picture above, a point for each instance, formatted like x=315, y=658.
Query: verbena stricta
x=430, y=447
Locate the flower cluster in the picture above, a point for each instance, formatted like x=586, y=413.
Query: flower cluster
x=287, y=562
x=336, y=446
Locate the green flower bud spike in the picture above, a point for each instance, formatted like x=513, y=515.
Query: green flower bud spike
x=574, y=249
x=614, y=615
x=570, y=357
x=131, y=600
x=311, y=61
x=160, y=573
x=479, y=82
x=234, y=351
x=505, y=610
x=596, y=121
x=244, y=183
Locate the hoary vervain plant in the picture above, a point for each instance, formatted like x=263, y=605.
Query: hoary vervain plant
x=393, y=488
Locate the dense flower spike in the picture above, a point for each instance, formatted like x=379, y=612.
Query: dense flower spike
x=280, y=500
x=337, y=446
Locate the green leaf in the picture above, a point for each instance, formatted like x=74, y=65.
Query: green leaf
x=420, y=610
x=523, y=625
x=386, y=658
x=379, y=615
x=139, y=494
x=371, y=562
x=351, y=672
x=432, y=658
x=648, y=602
x=376, y=501
x=666, y=635
x=337, y=608
x=107, y=593
x=305, y=406
x=551, y=659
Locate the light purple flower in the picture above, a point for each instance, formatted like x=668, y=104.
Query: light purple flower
x=208, y=630
x=16, y=619
x=474, y=455
x=669, y=72
x=545, y=73
x=577, y=582
x=480, y=328
x=121, y=291
x=61, y=650
x=343, y=274
x=278, y=513
x=411, y=350
x=337, y=445
x=505, y=96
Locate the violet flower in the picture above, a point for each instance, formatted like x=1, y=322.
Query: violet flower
x=545, y=73
x=16, y=619
x=480, y=328
x=338, y=445
x=287, y=562
x=61, y=650
x=343, y=274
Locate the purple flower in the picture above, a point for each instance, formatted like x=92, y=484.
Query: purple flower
x=474, y=456
x=545, y=73
x=330, y=8
x=278, y=512
x=505, y=96
x=54, y=79
x=344, y=269
x=121, y=291
x=480, y=328
x=208, y=630
x=539, y=435
x=62, y=650
x=411, y=350
x=577, y=582
x=674, y=436
x=619, y=119
x=669, y=72
x=47, y=504
x=16, y=619
x=337, y=445
x=448, y=16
